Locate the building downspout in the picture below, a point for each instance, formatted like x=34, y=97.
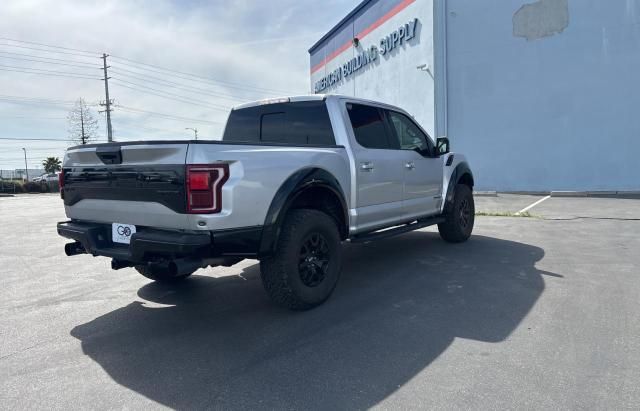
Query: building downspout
x=445, y=69
x=441, y=94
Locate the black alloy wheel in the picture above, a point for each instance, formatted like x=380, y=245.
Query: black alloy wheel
x=458, y=223
x=314, y=259
x=464, y=210
x=305, y=267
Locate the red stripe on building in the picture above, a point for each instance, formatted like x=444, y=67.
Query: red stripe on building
x=397, y=9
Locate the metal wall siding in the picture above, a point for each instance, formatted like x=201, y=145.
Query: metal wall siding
x=318, y=55
x=359, y=25
x=339, y=39
x=370, y=14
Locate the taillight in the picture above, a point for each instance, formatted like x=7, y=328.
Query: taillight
x=61, y=183
x=204, y=187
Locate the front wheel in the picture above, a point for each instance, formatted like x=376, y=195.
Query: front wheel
x=306, y=265
x=459, y=220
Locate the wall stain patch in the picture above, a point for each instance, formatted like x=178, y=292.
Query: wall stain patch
x=543, y=18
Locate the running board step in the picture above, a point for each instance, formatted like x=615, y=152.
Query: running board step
x=416, y=225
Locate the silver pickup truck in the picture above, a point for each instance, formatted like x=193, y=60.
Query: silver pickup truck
x=290, y=181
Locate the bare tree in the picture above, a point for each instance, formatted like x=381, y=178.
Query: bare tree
x=83, y=127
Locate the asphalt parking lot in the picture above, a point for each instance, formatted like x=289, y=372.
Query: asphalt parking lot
x=531, y=313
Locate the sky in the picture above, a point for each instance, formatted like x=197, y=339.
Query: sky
x=174, y=64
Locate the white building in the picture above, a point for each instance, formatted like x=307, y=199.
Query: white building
x=540, y=95
x=19, y=174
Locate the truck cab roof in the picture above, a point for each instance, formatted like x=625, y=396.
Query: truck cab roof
x=312, y=97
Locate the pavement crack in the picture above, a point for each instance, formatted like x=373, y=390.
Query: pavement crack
x=23, y=350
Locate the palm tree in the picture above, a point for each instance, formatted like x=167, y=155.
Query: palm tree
x=52, y=164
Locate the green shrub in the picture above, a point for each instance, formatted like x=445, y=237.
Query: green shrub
x=10, y=187
x=33, y=187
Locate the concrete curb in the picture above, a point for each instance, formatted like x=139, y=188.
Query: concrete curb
x=485, y=193
x=568, y=194
x=528, y=193
x=628, y=194
x=604, y=194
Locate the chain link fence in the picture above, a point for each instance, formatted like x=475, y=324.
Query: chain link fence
x=14, y=182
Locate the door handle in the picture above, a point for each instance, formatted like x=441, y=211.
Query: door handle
x=410, y=165
x=367, y=166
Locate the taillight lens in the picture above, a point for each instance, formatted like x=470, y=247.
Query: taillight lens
x=204, y=187
x=61, y=183
x=199, y=180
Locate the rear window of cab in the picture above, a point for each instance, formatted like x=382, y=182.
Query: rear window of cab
x=299, y=123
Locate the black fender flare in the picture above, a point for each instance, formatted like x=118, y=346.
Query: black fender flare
x=288, y=192
x=459, y=172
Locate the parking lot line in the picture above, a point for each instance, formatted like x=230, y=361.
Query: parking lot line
x=529, y=207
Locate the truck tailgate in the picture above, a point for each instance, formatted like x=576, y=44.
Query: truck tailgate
x=140, y=183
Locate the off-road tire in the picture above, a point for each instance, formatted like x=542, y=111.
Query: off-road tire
x=159, y=275
x=297, y=282
x=459, y=221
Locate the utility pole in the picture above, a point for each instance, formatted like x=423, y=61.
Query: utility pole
x=26, y=170
x=82, y=124
x=195, y=131
x=107, y=102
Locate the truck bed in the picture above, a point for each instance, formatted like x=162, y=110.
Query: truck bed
x=143, y=183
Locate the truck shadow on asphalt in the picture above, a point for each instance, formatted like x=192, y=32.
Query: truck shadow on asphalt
x=399, y=304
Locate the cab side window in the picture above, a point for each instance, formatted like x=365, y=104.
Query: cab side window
x=408, y=134
x=369, y=126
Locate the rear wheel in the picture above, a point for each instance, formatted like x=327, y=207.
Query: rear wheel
x=305, y=268
x=459, y=221
x=160, y=274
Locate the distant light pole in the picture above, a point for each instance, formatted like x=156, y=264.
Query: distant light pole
x=195, y=131
x=26, y=170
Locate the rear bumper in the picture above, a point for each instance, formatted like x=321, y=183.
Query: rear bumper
x=145, y=245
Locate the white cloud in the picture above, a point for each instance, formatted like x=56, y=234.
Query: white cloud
x=252, y=43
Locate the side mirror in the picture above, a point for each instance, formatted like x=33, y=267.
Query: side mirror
x=442, y=145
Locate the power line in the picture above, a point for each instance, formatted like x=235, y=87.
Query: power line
x=196, y=78
x=48, y=73
x=199, y=83
x=45, y=50
x=47, y=62
x=35, y=103
x=35, y=99
x=133, y=64
x=170, y=96
x=9, y=159
x=35, y=117
x=147, y=128
x=43, y=103
x=10, y=145
x=159, y=81
x=163, y=115
x=127, y=129
x=130, y=61
x=46, y=58
x=6, y=150
x=48, y=45
x=30, y=139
